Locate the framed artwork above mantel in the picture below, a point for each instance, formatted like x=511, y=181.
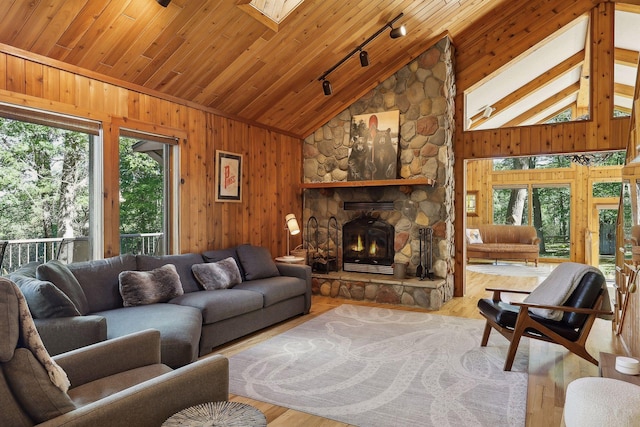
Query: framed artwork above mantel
x=228, y=187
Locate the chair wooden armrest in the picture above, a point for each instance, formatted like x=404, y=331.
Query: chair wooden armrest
x=498, y=291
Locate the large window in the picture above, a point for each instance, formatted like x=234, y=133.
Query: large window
x=47, y=186
x=548, y=210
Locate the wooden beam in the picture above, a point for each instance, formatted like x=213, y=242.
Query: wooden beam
x=582, y=103
x=537, y=109
x=626, y=57
x=623, y=90
x=539, y=82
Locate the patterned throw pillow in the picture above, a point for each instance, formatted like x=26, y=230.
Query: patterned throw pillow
x=217, y=275
x=150, y=287
x=473, y=235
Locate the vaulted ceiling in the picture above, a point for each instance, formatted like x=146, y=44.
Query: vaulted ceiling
x=214, y=53
x=226, y=56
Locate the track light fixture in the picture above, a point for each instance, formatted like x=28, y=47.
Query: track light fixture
x=364, y=56
x=326, y=87
x=401, y=31
x=164, y=3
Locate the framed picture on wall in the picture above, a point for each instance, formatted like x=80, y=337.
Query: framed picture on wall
x=228, y=177
x=373, y=152
x=472, y=203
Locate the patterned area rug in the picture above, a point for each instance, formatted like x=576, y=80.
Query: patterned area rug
x=371, y=366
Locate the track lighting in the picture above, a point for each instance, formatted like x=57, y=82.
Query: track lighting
x=164, y=3
x=326, y=87
x=364, y=56
x=401, y=31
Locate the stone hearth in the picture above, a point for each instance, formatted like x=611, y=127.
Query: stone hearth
x=378, y=288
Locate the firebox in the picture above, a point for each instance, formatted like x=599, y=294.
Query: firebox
x=367, y=245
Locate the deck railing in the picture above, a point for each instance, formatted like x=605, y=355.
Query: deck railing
x=23, y=251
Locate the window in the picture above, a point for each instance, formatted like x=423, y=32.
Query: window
x=511, y=206
x=145, y=192
x=48, y=186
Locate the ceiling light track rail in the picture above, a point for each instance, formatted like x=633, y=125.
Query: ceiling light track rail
x=364, y=56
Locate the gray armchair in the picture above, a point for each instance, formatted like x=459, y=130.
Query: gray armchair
x=119, y=382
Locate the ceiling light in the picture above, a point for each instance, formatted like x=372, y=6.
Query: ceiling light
x=326, y=87
x=488, y=111
x=401, y=31
x=364, y=58
x=164, y=3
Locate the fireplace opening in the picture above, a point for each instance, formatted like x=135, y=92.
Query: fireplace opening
x=367, y=245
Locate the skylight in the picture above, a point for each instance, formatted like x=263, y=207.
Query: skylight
x=270, y=12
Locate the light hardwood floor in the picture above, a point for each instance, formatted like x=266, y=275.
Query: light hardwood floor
x=551, y=367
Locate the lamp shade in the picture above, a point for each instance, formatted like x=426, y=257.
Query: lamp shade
x=292, y=224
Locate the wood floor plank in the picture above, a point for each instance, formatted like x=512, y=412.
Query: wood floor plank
x=551, y=367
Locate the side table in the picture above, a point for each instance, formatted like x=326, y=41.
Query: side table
x=212, y=414
x=608, y=369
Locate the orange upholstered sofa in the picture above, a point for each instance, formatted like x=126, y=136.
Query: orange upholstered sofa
x=503, y=242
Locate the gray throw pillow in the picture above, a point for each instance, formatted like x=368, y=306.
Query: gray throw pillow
x=217, y=275
x=150, y=287
x=57, y=273
x=34, y=390
x=220, y=254
x=44, y=299
x=257, y=262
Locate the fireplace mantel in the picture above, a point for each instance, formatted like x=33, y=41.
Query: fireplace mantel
x=370, y=183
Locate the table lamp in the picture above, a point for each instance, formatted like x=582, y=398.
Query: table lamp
x=292, y=227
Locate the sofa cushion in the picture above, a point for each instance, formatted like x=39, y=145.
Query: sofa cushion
x=9, y=319
x=275, y=289
x=105, y=387
x=256, y=262
x=150, y=287
x=28, y=270
x=222, y=304
x=33, y=389
x=217, y=275
x=183, y=263
x=11, y=414
x=44, y=299
x=99, y=280
x=180, y=328
x=59, y=274
x=220, y=254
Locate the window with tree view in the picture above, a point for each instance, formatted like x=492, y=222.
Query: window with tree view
x=45, y=184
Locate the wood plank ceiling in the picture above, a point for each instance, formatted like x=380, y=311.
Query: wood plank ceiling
x=212, y=53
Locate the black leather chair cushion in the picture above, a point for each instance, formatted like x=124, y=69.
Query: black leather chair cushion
x=585, y=296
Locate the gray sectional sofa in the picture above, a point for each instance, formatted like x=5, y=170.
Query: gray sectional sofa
x=82, y=303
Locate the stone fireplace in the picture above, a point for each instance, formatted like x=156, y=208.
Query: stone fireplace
x=367, y=245
x=420, y=196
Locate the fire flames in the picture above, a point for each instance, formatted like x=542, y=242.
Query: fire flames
x=359, y=247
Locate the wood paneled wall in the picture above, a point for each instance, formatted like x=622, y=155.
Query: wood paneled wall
x=491, y=43
x=271, y=162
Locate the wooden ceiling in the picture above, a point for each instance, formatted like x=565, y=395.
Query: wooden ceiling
x=212, y=53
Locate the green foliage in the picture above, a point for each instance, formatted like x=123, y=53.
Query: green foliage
x=141, y=191
x=38, y=165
